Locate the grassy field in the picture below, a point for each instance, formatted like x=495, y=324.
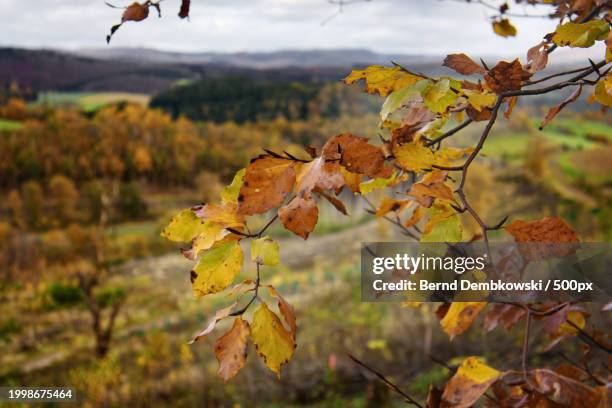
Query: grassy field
x=91, y=101
x=7, y=125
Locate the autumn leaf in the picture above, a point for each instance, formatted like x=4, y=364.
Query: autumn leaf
x=563, y=390
x=231, y=192
x=336, y=202
x=226, y=215
x=581, y=35
x=264, y=251
x=511, y=104
x=548, y=230
x=219, y=315
x=184, y=227
x=300, y=216
x=319, y=174
x=231, y=349
x=463, y=64
x=416, y=216
x=472, y=379
x=397, y=98
x=389, y=204
x=272, y=341
x=460, y=317
x=508, y=315
x=504, y=28
x=352, y=180
x=382, y=80
x=438, y=96
x=376, y=184
x=286, y=310
x=357, y=155
x=603, y=91
x=552, y=112
x=426, y=193
x=135, y=12
x=443, y=224
x=210, y=234
x=537, y=57
x=505, y=76
x=480, y=100
x=216, y=269
x=413, y=157
x=184, y=10
x=267, y=181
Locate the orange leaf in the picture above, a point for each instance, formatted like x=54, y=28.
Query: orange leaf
x=552, y=112
x=357, y=155
x=135, y=12
x=300, y=216
x=472, y=379
x=463, y=64
x=231, y=349
x=563, y=390
x=267, y=181
x=505, y=76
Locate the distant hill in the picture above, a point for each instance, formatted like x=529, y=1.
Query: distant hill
x=334, y=58
x=59, y=71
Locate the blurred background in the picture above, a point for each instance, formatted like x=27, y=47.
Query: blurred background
x=101, y=145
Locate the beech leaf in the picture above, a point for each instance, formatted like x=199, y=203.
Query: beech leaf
x=552, y=112
x=382, y=80
x=581, y=35
x=264, y=251
x=463, y=64
x=231, y=349
x=219, y=315
x=216, y=269
x=504, y=28
x=472, y=379
x=460, y=317
x=300, y=216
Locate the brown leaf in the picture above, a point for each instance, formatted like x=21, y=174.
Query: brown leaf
x=571, y=371
x=267, y=182
x=219, y=315
x=300, y=216
x=389, y=204
x=537, y=57
x=548, y=230
x=231, y=349
x=434, y=397
x=426, y=193
x=508, y=315
x=184, y=11
x=563, y=390
x=463, y=64
x=357, y=155
x=472, y=379
x=318, y=174
x=552, y=112
x=505, y=76
x=335, y=201
x=476, y=116
x=135, y=12
x=460, y=317
x=511, y=104
x=286, y=311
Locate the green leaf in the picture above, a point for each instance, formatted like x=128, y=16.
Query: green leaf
x=217, y=269
x=184, y=227
x=438, y=96
x=395, y=100
x=230, y=193
x=581, y=35
x=264, y=251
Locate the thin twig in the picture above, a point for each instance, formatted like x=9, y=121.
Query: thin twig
x=256, y=290
x=388, y=383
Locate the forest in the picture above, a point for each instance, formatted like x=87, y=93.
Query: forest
x=160, y=236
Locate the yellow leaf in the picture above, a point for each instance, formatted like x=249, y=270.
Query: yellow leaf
x=382, y=80
x=264, y=251
x=230, y=193
x=375, y=184
x=575, y=317
x=603, y=91
x=504, y=28
x=460, y=316
x=470, y=382
x=480, y=100
x=272, y=342
x=226, y=215
x=209, y=235
x=413, y=157
x=216, y=269
x=184, y=227
x=438, y=96
x=581, y=35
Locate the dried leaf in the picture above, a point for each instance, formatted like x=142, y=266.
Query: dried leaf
x=426, y=193
x=184, y=11
x=537, y=57
x=472, y=379
x=511, y=104
x=267, y=182
x=603, y=91
x=563, y=390
x=552, y=112
x=389, y=204
x=463, y=64
x=135, y=12
x=357, y=155
x=505, y=76
x=548, y=230
x=300, y=216
x=231, y=349
x=286, y=311
x=219, y=315
x=336, y=202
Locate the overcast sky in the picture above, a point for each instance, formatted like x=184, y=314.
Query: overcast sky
x=395, y=26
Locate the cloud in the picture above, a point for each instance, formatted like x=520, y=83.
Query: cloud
x=393, y=26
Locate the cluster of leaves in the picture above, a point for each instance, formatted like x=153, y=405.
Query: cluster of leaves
x=416, y=109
